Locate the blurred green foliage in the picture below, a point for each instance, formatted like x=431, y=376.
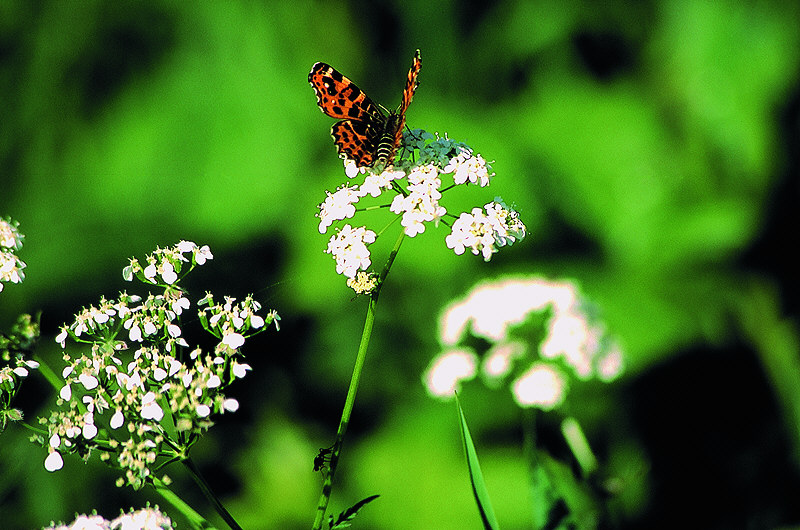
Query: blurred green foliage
x=642, y=142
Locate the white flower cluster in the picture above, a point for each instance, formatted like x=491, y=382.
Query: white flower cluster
x=231, y=322
x=572, y=342
x=349, y=248
x=416, y=182
x=483, y=233
x=158, y=383
x=144, y=519
x=14, y=367
x=9, y=375
x=10, y=242
x=164, y=264
x=421, y=204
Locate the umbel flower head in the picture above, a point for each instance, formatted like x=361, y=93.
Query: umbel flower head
x=569, y=341
x=144, y=519
x=428, y=167
x=11, y=267
x=15, y=346
x=138, y=393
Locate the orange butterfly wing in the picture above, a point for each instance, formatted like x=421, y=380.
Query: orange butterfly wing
x=363, y=134
x=408, y=95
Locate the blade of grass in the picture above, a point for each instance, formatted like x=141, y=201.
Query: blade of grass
x=475, y=476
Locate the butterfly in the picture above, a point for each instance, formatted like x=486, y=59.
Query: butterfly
x=367, y=133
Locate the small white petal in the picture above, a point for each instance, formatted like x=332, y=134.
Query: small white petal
x=53, y=462
x=150, y=409
x=66, y=371
x=203, y=254
x=240, y=370
x=150, y=272
x=20, y=371
x=149, y=328
x=203, y=410
x=180, y=304
x=185, y=246
x=89, y=382
x=89, y=431
x=135, y=333
x=65, y=393
x=174, y=366
x=230, y=405
x=169, y=276
x=233, y=340
x=61, y=338
x=55, y=441
x=256, y=321
x=213, y=382
x=117, y=420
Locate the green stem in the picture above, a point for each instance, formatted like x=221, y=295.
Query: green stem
x=204, y=487
x=579, y=445
x=49, y=374
x=194, y=518
x=361, y=356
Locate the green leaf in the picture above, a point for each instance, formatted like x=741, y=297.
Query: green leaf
x=346, y=517
x=475, y=475
x=560, y=499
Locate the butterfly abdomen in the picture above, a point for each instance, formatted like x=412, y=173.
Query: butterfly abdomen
x=387, y=143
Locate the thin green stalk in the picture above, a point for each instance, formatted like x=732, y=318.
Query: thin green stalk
x=361, y=356
x=579, y=445
x=198, y=478
x=48, y=373
x=194, y=518
x=530, y=453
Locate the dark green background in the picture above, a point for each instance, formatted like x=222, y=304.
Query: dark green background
x=650, y=147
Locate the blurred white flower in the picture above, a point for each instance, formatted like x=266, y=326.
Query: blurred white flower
x=491, y=308
x=566, y=337
x=446, y=371
x=497, y=362
x=541, y=386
